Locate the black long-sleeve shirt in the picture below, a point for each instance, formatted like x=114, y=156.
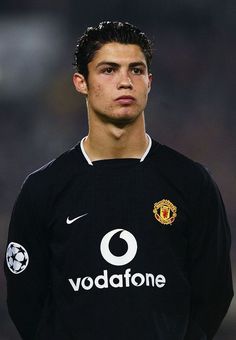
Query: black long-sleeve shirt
x=121, y=249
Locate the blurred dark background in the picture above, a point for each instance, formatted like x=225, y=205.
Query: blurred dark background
x=191, y=106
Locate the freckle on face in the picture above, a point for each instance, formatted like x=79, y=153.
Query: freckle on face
x=97, y=91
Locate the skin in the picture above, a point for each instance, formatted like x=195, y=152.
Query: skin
x=116, y=93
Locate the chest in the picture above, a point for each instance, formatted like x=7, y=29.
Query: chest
x=119, y=217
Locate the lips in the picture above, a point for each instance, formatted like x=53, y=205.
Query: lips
x=125, y=100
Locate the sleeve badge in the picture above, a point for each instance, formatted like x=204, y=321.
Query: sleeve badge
x=17, y=258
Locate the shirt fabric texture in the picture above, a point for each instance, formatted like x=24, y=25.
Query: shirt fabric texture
x=122, y=249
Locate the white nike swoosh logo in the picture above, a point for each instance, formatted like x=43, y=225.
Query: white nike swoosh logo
x=69, y=221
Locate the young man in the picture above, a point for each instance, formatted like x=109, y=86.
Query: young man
x=121, y=237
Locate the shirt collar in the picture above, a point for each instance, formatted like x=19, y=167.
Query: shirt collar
x=91, y=163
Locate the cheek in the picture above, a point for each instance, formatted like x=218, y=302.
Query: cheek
x=99, y=97
x=94, y=89
x=97, y=90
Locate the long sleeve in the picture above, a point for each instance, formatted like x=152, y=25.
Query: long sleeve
x=26, y=265
x=209, y=264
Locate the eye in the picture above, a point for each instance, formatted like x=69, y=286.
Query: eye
x=108, y=70
x=137, y=70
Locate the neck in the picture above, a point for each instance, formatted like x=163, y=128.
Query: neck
x=107, y=141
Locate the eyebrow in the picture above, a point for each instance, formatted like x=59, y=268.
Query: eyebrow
x=110, y=63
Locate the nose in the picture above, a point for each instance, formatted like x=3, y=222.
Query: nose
x=124, y=81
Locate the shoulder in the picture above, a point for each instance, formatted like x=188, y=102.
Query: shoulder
x=54, y=173
x=176, y=162
x=189, y=179
x=181, y=171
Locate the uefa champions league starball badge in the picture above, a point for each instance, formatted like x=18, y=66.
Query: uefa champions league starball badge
x=17, y=258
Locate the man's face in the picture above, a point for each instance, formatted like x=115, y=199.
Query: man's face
x=118, y=83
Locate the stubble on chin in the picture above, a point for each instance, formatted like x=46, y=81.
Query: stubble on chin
x=119, y=119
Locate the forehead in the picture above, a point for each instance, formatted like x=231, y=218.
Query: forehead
x=119, y=53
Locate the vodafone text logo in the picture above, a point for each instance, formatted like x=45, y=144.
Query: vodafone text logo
x=118, y=280
x=119, y=260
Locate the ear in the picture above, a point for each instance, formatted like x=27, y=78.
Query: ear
x=80, y=83
x=149, y=82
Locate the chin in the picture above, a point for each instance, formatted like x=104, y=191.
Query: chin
x=120, y=118
x=126, y=114
x=124, y=118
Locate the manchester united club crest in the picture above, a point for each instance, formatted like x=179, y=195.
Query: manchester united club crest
x=165, y=212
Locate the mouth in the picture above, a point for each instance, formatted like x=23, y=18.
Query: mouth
x=125, y=100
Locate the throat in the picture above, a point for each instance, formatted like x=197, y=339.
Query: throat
x=115, y=146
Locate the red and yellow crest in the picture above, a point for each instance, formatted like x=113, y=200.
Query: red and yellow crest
x=165, y=212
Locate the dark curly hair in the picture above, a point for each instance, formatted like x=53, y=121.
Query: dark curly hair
x=105, y=32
